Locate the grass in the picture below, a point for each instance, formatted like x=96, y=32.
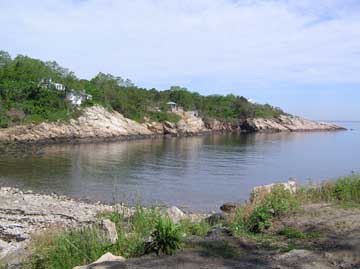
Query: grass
x=166, y=238
x=292, y=233
x=146, y=230
x=256, y=216
x=344, y=191
x=253, y=219
x=201, y=228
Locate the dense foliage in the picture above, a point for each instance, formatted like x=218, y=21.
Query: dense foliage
x=24, y=100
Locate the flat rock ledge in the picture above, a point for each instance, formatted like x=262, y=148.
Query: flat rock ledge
x=24, y=213
x=97, y=123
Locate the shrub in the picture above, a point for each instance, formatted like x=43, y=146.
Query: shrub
x=280, y=200
x=260, y=219
x=256, y=217
x=164, y=116
x=166, y=238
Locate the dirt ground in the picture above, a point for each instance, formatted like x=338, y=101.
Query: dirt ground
x=336, y=245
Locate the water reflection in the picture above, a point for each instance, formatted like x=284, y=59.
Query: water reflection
x=198, y=172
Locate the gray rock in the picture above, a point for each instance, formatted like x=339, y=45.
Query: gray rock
x=175, y=214
x=229, y=207
x=109, y=229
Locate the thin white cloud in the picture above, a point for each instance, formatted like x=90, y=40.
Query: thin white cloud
x=228, y=43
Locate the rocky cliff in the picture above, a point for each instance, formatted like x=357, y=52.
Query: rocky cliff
x=98, y=123
x=95, y=122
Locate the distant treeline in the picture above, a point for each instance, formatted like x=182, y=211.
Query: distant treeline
x=23, y=99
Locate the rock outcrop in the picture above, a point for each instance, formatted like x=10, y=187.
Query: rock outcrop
x=24, y=213
x=286, y=123
x=98, y=123
x=95, y=122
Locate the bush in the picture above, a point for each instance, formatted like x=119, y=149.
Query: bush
x=166, y=238
x=164, y=116
x=260, y=219
x=257, y=216
x=280, y=201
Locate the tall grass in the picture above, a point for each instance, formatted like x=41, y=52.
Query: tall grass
x=255, y=217
x=145, y=230
x=343, y=190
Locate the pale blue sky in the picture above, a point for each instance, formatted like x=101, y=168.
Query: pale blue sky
x=301, y=55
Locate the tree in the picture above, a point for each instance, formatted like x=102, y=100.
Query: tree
x=5, y=58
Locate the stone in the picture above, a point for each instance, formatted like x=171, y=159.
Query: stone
x=170, y=131
x=103, y=262
x=258, y=191
x=295, y=254
x=109, y=229
x=175, y=214
x=229, y=207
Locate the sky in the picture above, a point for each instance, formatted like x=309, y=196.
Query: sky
x=301, y=55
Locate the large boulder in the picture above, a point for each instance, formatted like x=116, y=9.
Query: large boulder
x=260, y=191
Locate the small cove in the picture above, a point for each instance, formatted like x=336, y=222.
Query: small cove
x=198, y=173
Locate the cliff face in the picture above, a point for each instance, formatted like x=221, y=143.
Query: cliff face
x=95, y=122
x=98, y=123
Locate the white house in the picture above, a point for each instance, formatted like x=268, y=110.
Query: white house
x=59, y=86
x=77, y=98
x=48, y=83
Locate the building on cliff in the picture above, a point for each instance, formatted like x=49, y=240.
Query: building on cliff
x=173, y=107
x=77, y=98
x=48, y=83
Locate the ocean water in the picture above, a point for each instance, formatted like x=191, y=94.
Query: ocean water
x=198, y=173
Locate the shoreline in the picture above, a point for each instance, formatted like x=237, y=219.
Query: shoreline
x=26, y=214
x=96, y=140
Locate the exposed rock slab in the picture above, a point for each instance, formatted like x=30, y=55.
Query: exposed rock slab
x=286, y=123
x=95, y=122
x=22, y=214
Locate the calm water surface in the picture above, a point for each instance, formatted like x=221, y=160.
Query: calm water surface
x=198, y=172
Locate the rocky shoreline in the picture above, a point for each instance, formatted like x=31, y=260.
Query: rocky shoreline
x=98, y=124
x=335, y=244
x=25, y=213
